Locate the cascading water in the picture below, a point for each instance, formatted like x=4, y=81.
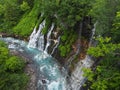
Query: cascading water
x=33, y=41
x=41, y=43
x=37, y=39
x=77, y=78
x=93, y=33
x=50, y=76
x=53, y=80
x=49, y=38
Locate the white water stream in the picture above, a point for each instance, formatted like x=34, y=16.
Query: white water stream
x=37, y=38
x=49, y=38
x=77, y=78
x=50, y=73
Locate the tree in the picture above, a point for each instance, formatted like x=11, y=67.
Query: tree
x=116, y=27
x=14, y=64
x=28, y=21
x=11, y=71
x=104, y=12
x=24, y=6
x=11, y=12
x=67, y=13
x=107, y=73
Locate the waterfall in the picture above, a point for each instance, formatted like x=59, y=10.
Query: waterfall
x=32, y=42
x=49, y=38
x=58, y=41
x=49, y=73
x=93, y=33
x=77, y=78
x=33, y=33
x=35, y=37
x=54, y=80
x=41, y=43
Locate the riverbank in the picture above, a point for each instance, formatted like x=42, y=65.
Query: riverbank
x=30, y=70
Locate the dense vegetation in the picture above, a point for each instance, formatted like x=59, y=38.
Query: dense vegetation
x=11, y=12
x=12, y=74
x=106, y=75
x=21, y=16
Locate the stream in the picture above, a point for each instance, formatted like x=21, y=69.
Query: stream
x=51, y=76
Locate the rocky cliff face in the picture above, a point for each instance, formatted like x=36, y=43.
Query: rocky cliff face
x=67, y=46
x=56, y=41
x=68, y=49
x=84, y=33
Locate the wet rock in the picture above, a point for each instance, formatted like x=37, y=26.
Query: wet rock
x=44, y=81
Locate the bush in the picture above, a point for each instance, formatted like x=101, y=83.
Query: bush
x=12, y=76
x=63, y=50
x=14, y=64
x=24, y=6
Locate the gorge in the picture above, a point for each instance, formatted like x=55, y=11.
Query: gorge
x=51, y=75
x=64, y=45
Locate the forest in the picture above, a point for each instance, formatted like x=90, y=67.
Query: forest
x=74, y=20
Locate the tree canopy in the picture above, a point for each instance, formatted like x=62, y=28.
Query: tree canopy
x=11, y=70
x=21, y=16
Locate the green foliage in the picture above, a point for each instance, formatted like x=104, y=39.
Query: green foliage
x=104, y=47
x=107, y=73
x=1, y=9
x=11, y=71
x=116, y=28
x=67, y=13
x=39, y=21
x=68, y=38
x=9, y=18
x=63, y=50
x=64, y=37
x=28, y=21
x=14, y=81
x=14, y=64
x=11, y=12
x=88, y=73
x=103, y=12
x=23, y=16
x=47, y=25
x=24, y=6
